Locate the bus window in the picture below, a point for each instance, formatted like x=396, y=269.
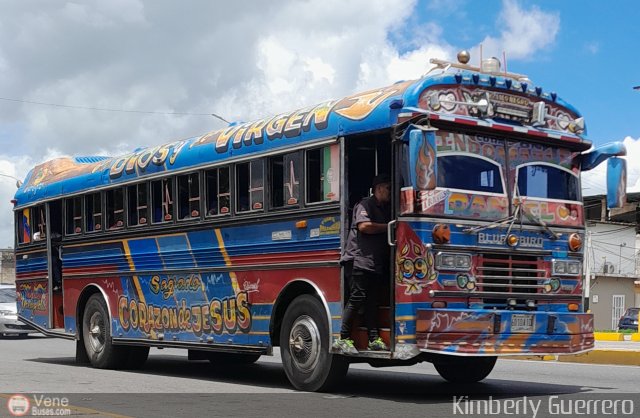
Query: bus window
x=250, y=186
x=39, y=215
x=162, y=201
x=24, y=226
x=323, y=174
x=217, y=189
x=115, y=208
x=73, y=209
x=189, y=196
x=285, y=180
x=93, y=211
x=137, y=204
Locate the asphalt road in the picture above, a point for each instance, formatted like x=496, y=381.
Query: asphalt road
x=170, y=385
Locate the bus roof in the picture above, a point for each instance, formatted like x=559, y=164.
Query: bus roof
x=363, y=112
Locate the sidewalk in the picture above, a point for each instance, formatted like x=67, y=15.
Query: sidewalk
x=626, y=353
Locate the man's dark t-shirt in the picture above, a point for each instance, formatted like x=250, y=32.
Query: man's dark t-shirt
x=369, y=252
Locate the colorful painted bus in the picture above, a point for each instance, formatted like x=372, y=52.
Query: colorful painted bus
x=228, y=244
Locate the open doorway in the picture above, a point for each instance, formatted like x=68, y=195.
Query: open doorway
x=55, y=263
x=366, y=156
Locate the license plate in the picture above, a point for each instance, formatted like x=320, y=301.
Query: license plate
x=523, y=323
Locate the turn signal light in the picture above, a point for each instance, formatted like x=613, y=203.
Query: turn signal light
x=575, y=242
x=573, y=307
x=438, y=304
x=512, y=240
x=441, y=234
x=301, y=224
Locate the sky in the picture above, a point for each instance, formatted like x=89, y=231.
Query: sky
x=161, y=67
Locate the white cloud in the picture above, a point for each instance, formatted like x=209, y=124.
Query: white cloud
x=594, y=181
x=525, y=31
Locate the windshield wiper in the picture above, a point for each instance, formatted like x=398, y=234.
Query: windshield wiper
x=534, y=218
x=509, y=219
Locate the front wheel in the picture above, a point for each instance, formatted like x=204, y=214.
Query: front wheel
x=304, y=347
x=464, y=369
x=96, y=335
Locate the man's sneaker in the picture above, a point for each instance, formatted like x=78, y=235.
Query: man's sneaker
x=345, y=346
x=377, y=345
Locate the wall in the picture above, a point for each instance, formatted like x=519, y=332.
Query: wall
x=7, y=266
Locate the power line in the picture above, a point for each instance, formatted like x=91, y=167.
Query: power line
x=102, y=109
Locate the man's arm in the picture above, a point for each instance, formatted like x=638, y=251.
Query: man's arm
x=369, y=227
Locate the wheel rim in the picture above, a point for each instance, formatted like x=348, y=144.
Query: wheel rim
x=97, y=332
x=304, y=343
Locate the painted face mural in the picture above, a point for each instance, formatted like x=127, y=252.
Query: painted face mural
x=415, y=267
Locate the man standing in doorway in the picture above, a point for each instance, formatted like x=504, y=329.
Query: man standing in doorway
x=367, y=250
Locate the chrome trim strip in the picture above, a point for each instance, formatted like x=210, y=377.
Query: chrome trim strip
x=507, y=295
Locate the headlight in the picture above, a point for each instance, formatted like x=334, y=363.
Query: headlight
x=7, y=313
x=452, y=261
x=566, y=267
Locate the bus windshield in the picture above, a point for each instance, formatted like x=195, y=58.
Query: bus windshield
x=472, y=173
x=547, y=182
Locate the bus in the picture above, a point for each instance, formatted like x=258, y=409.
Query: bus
x=228, y=244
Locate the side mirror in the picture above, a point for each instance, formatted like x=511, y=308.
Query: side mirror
x=616, y=182
x=422, y=158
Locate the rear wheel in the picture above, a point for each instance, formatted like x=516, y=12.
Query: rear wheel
x=136, y=357
x=464, y=369
x=304, y=347
x=96, y=334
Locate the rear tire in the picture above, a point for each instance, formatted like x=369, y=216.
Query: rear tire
x=464, y=369
x=96, y=334
x=136, y=357
x=304, y=347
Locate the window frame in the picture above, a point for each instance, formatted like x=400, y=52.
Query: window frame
x=470, y=191
x=66, y=217
x=307, y=177
x=190, y=210
x=117, y=227
x=229, y=193
x=93, y=214
x=236, y=166
x=301, y=178
x=547, y=199
x=147, y=193
x=172, y=211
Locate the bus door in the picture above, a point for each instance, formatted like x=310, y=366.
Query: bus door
x=54, y=261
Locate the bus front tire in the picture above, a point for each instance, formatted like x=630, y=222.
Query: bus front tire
x=304, y=347
x=465, y=369
x=96, y=334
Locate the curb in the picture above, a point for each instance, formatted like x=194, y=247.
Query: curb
x=601, y=356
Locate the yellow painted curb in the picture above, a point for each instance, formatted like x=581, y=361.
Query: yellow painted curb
x=541, y=358
x=608, y=336
x=635, y=336
x=609, y=356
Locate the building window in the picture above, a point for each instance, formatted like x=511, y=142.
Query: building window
x=250, y=186
x=189, y=196
x=323, y=174
x=162, y=200
x=73, y=215
x=137, y=204
x=218, y=191
x=285, y=180
x=93, y=212
x=115, y=208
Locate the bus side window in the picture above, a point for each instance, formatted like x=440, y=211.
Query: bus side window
x=189, y=196
x=41, y=231
x=115, y=208
x=250, y=186
x=217, y=191
x=323, y=175
x=162, y=201
x=138, y=210
x=285, y=180
x=73, y=211
x=24, y=226
x=93, y=212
